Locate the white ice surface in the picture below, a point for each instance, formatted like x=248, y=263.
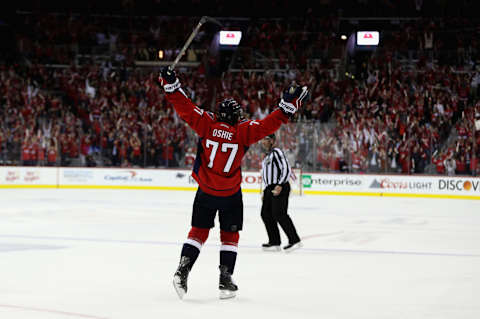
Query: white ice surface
x=111, y=254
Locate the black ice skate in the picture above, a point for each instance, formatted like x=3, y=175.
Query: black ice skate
x=181, y=276
x=227, y=286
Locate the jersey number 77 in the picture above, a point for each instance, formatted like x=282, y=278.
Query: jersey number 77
x=227, y=148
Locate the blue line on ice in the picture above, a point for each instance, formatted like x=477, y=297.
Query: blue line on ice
x=318, y=250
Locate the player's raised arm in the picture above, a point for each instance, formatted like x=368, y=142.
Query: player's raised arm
x=198, y=119
x=292, y=98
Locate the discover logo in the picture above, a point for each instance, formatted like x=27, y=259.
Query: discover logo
x=459, y=185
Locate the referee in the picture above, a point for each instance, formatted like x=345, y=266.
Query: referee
x=275, y=174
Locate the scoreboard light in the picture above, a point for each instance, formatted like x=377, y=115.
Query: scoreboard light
x=230, y=37
x=368, y=37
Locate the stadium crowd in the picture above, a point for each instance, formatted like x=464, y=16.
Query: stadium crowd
x=267, y=43
x=411, y=109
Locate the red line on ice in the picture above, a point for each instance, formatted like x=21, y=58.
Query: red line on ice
x=71, y=314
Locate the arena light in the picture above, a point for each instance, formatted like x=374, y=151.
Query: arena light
x=368, y=38
x=343, y=37
x=230, y=37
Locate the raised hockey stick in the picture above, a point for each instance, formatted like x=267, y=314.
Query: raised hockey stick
x=191, y=37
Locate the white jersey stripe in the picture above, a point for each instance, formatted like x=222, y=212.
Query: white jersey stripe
x=194, y=243
x=229, y=248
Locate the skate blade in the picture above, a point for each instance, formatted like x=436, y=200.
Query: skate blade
x=227, y=294
x=180, y=291
x=294, y=247
x=272, y=248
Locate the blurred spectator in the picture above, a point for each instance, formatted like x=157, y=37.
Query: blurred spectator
x=461, y=167
x=189, y=157
x=450, y=165
x=152, y=159
x=52, y=152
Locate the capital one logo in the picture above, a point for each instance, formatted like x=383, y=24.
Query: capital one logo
x=12, y=176
x=127, y=176
x=368, y=36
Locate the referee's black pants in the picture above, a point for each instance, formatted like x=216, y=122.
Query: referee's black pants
x=274, y=212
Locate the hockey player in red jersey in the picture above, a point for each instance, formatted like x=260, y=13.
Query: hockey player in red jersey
x=224, y=139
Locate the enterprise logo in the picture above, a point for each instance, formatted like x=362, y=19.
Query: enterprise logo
x=308, y=181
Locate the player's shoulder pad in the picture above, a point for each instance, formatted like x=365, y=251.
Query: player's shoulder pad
x=210, y=114
x=248, y=122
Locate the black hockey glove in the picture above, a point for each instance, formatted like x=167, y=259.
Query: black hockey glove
x=168, y=80
x=293, y=98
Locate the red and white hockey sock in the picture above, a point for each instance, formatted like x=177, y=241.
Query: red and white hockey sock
x=229, y=248
x=193, y=244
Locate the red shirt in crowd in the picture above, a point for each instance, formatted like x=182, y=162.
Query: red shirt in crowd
x=136, y=149
x=474, y=164
x=122, y=150
x=189, y=159
x=85, y=145
x=26, y=152
x=439, y=165
x=33, y=151
x=52, y=155
x=40, y=151
x=461, y=166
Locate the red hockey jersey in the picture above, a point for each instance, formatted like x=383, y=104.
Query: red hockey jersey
x=217, y=166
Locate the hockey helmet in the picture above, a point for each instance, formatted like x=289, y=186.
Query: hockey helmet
x=229, y=111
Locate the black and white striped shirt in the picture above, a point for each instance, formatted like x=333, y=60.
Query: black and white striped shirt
x=275, y=168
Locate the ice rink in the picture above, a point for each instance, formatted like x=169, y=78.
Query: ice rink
x=102, y=254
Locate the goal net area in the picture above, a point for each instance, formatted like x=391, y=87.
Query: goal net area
x=296, y=181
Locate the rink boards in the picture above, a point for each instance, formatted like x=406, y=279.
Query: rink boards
x=175, y=179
